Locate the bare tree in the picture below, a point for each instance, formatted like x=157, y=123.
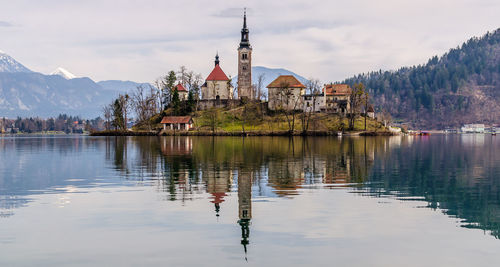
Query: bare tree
x=355, y=101
x=289, y=103
x=107, y=113
x=163, y=93
x=126, y=105
x=182, y=75
x=213, y=118
x=259, y=87
x=312, y=90
x=249, y=113
x=144, y=104
x=385, y=117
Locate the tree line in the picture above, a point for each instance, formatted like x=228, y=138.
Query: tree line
x=147, y=101
x=62, y=123
x=437, y=86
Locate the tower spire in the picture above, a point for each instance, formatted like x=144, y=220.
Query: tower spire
x=217, y=58
x=244, y=31
x=245, y=18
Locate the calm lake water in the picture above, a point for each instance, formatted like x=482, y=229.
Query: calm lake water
x=263, y=201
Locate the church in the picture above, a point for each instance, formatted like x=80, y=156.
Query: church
x=218, y=87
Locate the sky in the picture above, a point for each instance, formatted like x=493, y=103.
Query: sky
x=326, y=40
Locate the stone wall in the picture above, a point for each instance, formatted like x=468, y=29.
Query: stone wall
x=205, y=104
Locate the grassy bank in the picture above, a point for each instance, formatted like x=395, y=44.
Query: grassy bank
x=252, y=120
x=235, y=120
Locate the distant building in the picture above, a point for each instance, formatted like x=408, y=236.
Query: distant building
x=472, y=128
x=337, y=98
x=370, y=112
x=286, y=92
x=177, y=122
x=183, y=92
x=217, y=86
x=313, y=102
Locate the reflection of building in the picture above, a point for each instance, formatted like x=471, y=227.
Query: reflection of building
x=245, y=206
x=218, y=184
x=176, y=146
x=286, y=176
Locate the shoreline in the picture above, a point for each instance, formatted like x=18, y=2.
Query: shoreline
x=250, y=133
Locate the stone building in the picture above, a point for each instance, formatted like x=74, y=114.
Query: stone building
x=217, y=86
x=286, y=92
x=245, y=89
x=313, y=102
x=336, y=98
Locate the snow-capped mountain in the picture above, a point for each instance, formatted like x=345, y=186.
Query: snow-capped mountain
x=63, y=73
x=9, y=64
x=30, y=94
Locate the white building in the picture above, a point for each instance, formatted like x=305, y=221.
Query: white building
x=217, y=86
x=472, y=128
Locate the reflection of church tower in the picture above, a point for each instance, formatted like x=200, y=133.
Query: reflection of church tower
x=245, y=206
x=245, y=63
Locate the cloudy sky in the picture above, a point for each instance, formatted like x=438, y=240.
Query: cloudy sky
x=329, y=40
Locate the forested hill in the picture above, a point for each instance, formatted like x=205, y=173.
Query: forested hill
x=462, y=86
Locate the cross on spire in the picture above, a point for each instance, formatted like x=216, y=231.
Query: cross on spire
x=244, y=31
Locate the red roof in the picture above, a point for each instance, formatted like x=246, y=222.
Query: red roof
x=217, y=75
x=337, y=89
x=176, y=119
x=218, y=197
x=288, y=81
x=180, y=88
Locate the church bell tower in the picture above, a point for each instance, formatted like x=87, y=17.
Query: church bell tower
x=245, y=64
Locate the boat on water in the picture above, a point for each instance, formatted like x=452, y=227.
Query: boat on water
x=425, y=133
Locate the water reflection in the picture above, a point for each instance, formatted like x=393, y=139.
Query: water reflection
x=459, y=175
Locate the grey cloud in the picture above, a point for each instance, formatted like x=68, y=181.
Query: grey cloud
x=234, y=12
x=292, y=26
x=5, y=24
x=158, y=40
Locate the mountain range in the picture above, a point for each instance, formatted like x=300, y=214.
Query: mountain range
x=26, y=93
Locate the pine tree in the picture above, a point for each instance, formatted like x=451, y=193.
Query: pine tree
x=191, y=102
x=118, y=119
x=169, y=87
x=176, y=102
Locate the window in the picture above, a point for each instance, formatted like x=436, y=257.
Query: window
x=244, y=56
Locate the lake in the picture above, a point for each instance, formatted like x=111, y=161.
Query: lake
x=254, y=201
